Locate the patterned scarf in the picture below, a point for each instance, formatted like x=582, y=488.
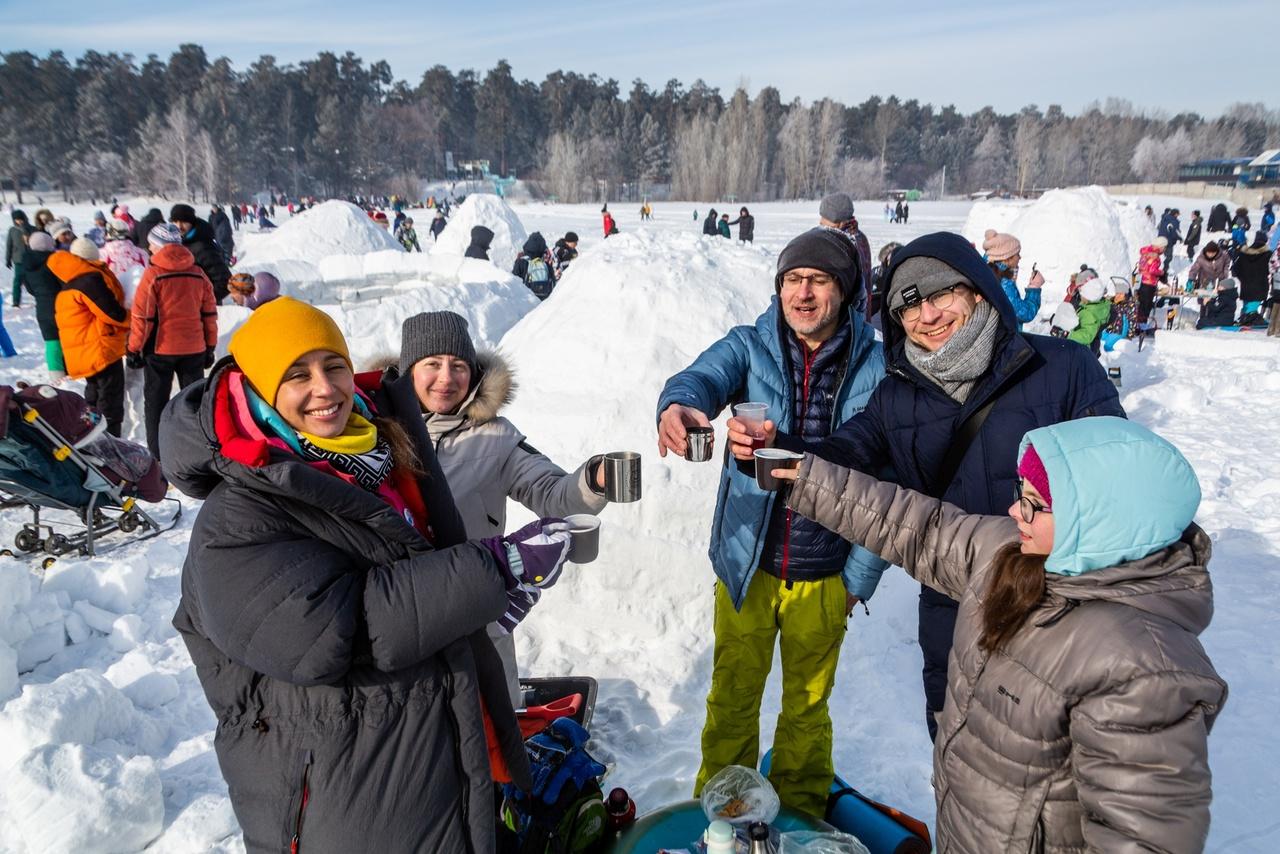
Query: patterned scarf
x=957, y=365
x=357, y=451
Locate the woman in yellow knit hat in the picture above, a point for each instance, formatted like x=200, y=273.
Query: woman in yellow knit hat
x=334, y=614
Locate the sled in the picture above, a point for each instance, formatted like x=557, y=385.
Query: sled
x=550, y=698
x=882, y=828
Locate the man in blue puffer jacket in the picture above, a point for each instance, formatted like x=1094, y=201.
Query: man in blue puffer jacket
x=814, y=360
x=953, y=348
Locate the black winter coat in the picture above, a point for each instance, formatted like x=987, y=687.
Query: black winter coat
x=223, y=233
x=746, y=227
x=204, y=245
x=44, y=286
x=1193, y=232
x=1219, y=218
x=481, y=240
x=910, y=423
x=1251, y=267
x=711, y=224
x=1220, y=310
x=142, y=228
x=344, y=658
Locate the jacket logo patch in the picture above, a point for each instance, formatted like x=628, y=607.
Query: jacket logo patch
x=1005, y=692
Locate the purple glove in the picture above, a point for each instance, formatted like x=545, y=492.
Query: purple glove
x=532, y=557
x=520, y=602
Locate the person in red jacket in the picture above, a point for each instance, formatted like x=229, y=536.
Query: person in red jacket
x=174, y=325
x=610, y=227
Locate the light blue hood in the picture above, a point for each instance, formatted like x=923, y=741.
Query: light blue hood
x=1119, y=492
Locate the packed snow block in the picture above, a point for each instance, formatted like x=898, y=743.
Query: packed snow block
x=398, y=263
x=126, y=633
x=331, y=228
x=79, y=707
x=44, y=644
x=16, y=586
x=113, y=585
x=8, y=672
x=494, y=214
x=491, y=307
x=1062, y=230
x=152, y=690
x=73, y=797
x=341, y=267
x=96, y=618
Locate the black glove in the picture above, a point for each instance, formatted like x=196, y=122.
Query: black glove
x=134, y=360
x=209, y=358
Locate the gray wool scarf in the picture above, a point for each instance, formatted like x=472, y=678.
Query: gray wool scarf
x=957, y=365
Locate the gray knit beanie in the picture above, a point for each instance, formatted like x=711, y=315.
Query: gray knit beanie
x=927, y=275
x=837, y=208
x=433, y=333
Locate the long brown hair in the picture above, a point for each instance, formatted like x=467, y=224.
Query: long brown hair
x=1017, y=587
x=403, y=454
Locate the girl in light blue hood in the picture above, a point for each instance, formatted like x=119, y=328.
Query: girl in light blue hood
x=1079, y=699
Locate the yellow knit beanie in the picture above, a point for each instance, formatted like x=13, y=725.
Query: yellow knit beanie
x=275, y=335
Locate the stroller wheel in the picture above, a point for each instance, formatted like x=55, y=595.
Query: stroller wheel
x=129, y=523
x=55, y=544
x=27, y=540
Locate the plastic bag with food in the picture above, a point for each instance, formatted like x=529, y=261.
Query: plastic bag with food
x=816, y=842
x=740, y=796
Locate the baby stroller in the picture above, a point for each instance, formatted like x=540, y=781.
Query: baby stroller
x=55, y=454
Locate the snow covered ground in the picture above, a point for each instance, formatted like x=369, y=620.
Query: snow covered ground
x=105, y=737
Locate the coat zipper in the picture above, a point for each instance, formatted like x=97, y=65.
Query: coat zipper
x=302, y=805
x=809, y=358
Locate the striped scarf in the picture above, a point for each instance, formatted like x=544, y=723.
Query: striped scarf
x=358, y=451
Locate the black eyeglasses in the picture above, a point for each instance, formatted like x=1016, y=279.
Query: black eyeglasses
x=941, y=300
x=1026, y=506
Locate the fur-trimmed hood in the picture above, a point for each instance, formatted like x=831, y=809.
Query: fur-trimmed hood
x=495, y=388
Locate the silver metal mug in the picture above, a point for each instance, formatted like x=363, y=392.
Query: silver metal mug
x=700, y=440
x=622, y=476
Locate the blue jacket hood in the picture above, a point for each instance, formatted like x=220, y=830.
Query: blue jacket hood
x=1119, y=492
x=952, y=249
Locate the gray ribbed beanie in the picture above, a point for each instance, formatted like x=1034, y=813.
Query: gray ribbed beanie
x=929, y=275
x=837, y=208
x=433, y=333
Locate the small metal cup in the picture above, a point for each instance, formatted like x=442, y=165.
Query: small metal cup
x=700, y=441
x=622, y=476
x=768, y=459
x=584, y=533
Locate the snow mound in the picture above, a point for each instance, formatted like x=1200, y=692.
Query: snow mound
x=1062, y=230
x=70, y=797
x=293, y=251
x=493, y=213
x=370, y=314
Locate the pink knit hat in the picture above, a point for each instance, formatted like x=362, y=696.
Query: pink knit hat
x=1000, y=247
x=1031, y=468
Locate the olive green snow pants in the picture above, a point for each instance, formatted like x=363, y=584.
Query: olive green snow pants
x=810, y=616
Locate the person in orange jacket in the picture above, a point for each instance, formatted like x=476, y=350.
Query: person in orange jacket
x=173, y=325
x=92, y=324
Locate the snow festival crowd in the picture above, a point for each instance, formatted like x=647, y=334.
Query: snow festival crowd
x=350, y=593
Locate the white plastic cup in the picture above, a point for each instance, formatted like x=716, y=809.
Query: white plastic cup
x=753, y=416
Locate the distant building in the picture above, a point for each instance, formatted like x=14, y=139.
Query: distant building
x=1263, y=170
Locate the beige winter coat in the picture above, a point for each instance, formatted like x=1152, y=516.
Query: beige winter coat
x=486, y=460
x=1089, y=731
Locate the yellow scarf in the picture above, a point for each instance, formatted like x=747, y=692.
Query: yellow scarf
x=360, y=436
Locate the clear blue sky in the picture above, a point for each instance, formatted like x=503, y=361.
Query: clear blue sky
x=1169, y=56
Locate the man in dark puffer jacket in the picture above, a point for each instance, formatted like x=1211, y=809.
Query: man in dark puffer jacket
x=814, y=360
x=198, y=237
x=937, y=289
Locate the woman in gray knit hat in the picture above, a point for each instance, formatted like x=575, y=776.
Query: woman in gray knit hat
x=485, y=458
